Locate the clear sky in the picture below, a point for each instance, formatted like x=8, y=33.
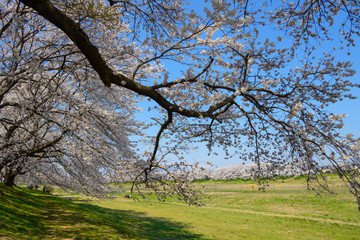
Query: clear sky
x=351, y=107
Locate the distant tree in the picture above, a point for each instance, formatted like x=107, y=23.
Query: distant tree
x=251, y=75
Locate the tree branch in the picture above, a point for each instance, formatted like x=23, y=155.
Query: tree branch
x=73, y=30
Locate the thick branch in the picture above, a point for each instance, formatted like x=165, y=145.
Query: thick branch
x=108, y=77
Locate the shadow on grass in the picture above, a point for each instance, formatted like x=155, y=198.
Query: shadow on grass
x=35, y=215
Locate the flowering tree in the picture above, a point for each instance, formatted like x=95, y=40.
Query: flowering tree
x=242, y=74
x=55, y=128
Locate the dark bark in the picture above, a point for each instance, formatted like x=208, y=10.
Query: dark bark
x=9, y=180
x=11, y=172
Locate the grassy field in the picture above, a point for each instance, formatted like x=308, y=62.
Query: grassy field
x=235, y=210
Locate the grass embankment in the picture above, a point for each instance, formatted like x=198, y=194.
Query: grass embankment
x=285, y=211
x=32, y=215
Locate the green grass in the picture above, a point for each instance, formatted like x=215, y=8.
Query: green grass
x=224, y=223
x=285, y=211
x=36, y=215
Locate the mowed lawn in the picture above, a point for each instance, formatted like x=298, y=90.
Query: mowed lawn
x=236, y=210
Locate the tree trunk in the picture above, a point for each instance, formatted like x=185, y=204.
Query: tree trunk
x=9, y=180
x=10, y=174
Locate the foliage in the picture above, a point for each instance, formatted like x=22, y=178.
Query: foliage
x=54, y=127
x=218, y=77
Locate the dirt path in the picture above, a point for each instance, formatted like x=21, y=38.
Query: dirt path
x=287, y=216
x=278, y=215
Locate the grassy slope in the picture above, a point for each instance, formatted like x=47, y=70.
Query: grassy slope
x=285, y=211
x=35, y=215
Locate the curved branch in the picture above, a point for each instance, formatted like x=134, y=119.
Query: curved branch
x=73, y=30
x=148, y=169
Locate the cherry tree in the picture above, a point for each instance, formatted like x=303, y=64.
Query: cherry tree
x=56, y=129
x=248, y=75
